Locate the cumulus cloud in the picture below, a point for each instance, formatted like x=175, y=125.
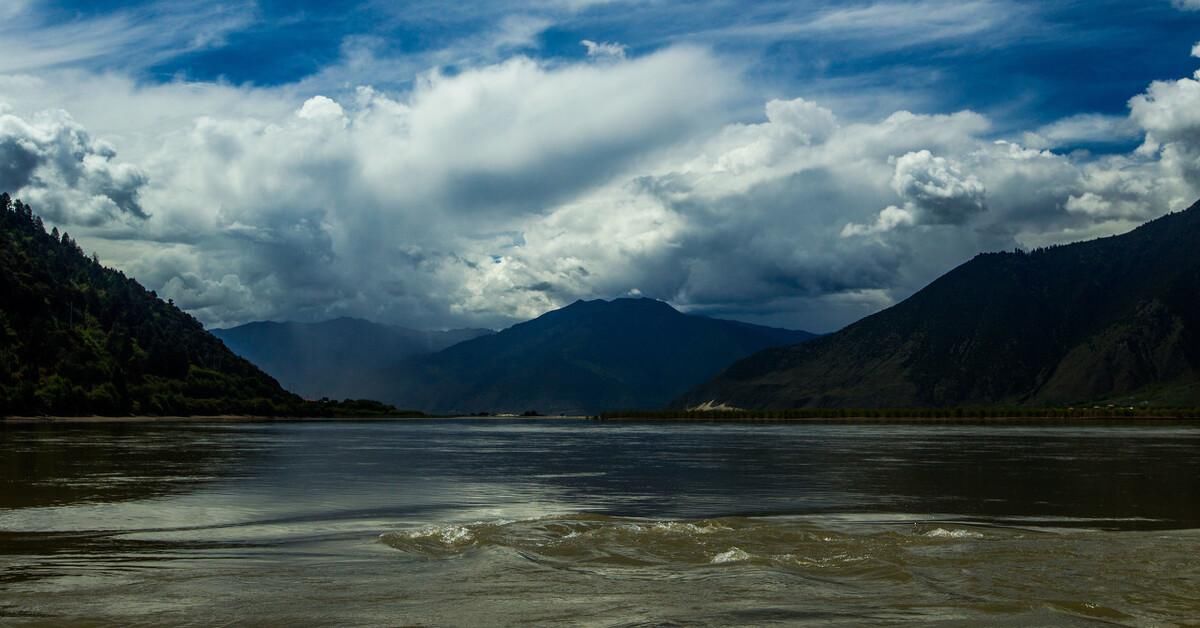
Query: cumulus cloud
x=890, y=218
x=1169, y=113
x=938, y=188
x=390, y=205
x=53, y=162
x=500, y=190
x=321, y=108
x=935, y=190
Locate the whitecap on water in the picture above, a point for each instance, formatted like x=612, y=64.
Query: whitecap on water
x=678, y=527
x=943, y=533
x=450, y=535
x=433, y=540
x=734, y=555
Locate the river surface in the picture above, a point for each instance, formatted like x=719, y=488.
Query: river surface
x=493, y=523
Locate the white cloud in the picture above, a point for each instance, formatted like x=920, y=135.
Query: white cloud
x=1083, y=129
x=935, y=190
x=385, y=205
x=508, y=188
x=1169, y=113
x=53, y=163
x=321, y=108
x=890, y=218
x=938, y=188
x=604, y=50
x=1187, y=5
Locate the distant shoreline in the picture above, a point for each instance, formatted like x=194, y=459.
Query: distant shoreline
x=856, y=420
x=240, y=418
x=902, y=420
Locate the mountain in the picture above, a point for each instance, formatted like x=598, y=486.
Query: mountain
x=77, y=338
x=584, y=358
x=1115, y=319
x=333, y=358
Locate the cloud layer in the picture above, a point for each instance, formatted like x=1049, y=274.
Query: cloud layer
x=490, y=192
x=55, y=165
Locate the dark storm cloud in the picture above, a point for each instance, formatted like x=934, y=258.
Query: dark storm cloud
x=17, y=163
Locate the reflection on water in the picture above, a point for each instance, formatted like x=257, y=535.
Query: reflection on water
x=484, y=522
x=44, y=465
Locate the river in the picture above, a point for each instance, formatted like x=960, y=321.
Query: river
x=568, y=522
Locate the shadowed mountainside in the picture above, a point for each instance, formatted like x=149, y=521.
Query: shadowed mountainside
x=1113, y=319
x=584, y=358
x=77, y=338
x=333, y=358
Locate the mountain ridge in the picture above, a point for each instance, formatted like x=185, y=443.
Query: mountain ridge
x=79, y=338
x=1114, y=318
x=580, y=359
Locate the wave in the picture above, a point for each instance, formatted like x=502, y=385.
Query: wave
x=581, y=541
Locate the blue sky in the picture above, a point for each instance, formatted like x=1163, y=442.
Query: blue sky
x=797, y=163
x=1031, y=61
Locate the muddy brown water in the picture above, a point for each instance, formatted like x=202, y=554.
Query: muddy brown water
x=480, y=523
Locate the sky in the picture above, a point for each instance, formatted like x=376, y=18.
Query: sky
x=440, y=165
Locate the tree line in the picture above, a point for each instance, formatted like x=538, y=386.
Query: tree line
x=1113, y=412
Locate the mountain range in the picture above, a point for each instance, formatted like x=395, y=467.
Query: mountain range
x=587, y=357
x=1114, y=320
x=1110, y=320
x=333, y=358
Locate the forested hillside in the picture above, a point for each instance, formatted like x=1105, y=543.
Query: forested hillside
x=77, y=338
x=1113, y=320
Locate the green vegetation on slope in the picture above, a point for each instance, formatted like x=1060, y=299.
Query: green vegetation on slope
x=78, y=339
x=1115, y=319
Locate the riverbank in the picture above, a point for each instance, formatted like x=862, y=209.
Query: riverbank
x=911, y=420
x=238, y=418
x=856, y=420
x=976, y=415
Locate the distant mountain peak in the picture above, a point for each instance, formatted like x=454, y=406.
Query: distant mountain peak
x=621, y=306
x=619, y=302
x=585, y=357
